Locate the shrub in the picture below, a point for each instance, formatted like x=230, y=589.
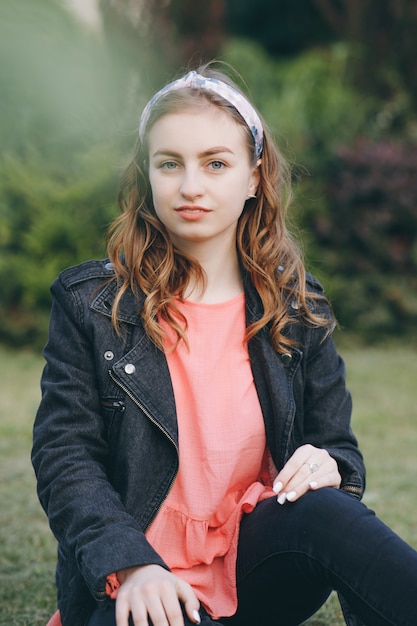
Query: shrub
x=50, y=218
x=366, y=236
x=307, y=101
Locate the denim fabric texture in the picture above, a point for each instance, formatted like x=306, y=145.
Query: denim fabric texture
x=291, y=557
x=105, y=448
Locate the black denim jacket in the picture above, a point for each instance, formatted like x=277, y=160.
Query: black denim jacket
x=105, y=448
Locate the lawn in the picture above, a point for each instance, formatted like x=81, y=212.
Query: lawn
x=383, y=383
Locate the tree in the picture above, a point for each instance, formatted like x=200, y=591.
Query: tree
x=173, y=33
x=283, y=27
x=384, y=37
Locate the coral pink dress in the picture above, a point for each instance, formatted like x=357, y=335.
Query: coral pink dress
x=223, y=469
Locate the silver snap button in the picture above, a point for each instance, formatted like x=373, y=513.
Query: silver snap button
x=108, y=355
x=130, y=368
x=294, y=304
x=109, y=266
x=286, y=358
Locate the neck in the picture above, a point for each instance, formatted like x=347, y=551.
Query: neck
x=223, y=276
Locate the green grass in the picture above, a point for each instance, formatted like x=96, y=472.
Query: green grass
x=27, y=550
x=383, y=383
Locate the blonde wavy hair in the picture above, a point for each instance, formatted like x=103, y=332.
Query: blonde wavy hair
x=145, y=259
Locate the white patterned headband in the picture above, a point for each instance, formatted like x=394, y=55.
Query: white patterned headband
x=234, y=97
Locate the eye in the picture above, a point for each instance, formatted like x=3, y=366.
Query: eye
x=168, y=165
x=217, y=165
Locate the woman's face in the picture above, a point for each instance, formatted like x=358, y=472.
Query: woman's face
x=200, y=173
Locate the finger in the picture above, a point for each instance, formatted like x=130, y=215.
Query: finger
x=169, y=614
x=122, y=610
x=163, y=606
x=329, y=478
x=320, y=469
x=141, y=604
x=190, y=601
x=292, y=467
x=139, y=615
x=313, y=470
x=136, y=606
x=192, y=612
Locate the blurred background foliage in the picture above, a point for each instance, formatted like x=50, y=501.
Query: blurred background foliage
x=334, y=79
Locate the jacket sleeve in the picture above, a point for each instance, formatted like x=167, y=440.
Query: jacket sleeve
x=327, y=407
x=69, y=455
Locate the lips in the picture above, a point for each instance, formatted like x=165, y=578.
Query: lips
x=192, y=213
x=192, y=209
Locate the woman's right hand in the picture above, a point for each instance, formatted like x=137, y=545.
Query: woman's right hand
x=152, y=592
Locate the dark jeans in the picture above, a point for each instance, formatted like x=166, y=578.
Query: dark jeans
x=291, y=557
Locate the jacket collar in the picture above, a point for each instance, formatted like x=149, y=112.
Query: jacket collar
x=131, y=304
x=129, y=307
x=254, y=307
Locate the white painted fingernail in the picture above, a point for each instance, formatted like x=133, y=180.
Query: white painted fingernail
x=277, y=487
x=282, y=498
x=313, y=484
x=196, y=616
x=291, y=496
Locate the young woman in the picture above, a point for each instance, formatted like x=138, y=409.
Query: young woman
x=193, y=446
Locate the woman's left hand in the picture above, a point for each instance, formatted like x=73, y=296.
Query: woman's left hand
x=308, y=468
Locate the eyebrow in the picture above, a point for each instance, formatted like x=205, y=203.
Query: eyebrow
x=200, y=155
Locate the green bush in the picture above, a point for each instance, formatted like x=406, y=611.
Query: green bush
x=307, y=101
x=50, y=219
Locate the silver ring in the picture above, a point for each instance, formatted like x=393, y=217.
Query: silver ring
x=313, y=466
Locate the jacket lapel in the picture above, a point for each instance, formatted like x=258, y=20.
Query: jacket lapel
x=143, y=371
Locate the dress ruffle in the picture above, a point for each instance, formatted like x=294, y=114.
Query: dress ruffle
x=209, y=560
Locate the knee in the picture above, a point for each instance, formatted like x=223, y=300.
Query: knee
x=321, y=525
x=329, y=507
x=316, y=516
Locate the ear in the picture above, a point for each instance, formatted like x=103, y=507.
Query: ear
x=255, y=177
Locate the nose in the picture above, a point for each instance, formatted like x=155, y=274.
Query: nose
x=191, y=184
